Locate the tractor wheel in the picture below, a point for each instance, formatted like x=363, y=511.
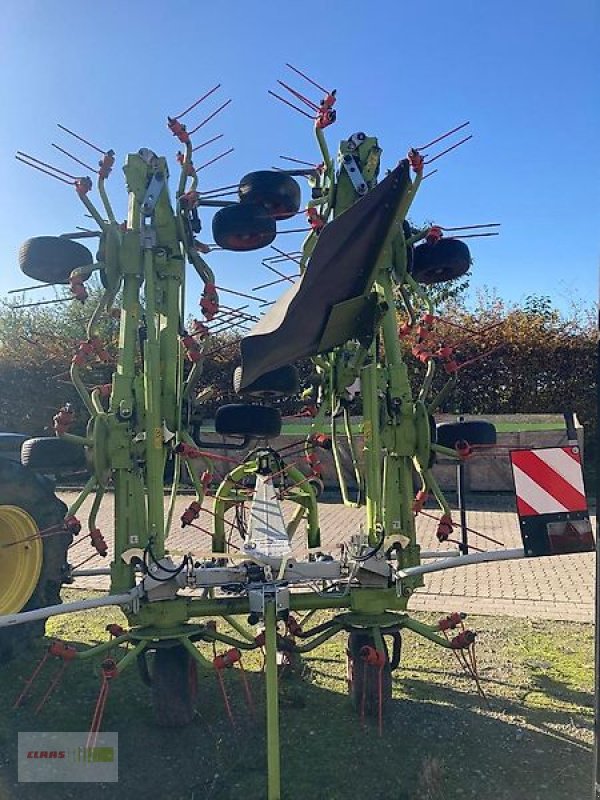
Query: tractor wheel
x=277, y=193
x=475, y=432
x=51, y=259
x=242, y=227
x=31, y=573
x=174, y=686
x=51, y=454
x=282, y=382
x=241, y=419
x=440, y=261
x=363, y=678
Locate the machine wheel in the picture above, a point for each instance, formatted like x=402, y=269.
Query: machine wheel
x=174, y=686
x=241, y=419
x=363, y=678
x=433, y=439
x=440, y=261
x=51, y=259
x=277, y=193
x=243, y=227
x=31, y=574
x=317, y=485
x=277, y=383
x=474, y=432
x=50, y=454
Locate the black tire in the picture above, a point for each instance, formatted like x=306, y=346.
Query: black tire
x=240, y=419
x=317, y=485
x=10, y=445
x=243, y=227
x=174, y=686
x=433, y=438
x=277, y=383
x=475, y=432
x=52, y=455
x=441, y=261
x=51, y=259
x=33, y=493
x=361, y=671
x=277, y=193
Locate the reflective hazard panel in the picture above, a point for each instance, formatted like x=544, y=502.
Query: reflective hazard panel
x=551, y=503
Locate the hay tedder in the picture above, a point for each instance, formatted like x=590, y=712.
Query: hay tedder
x=356, y=309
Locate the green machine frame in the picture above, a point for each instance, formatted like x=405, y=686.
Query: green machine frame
x=143, y=421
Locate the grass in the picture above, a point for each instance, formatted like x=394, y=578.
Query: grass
x=440, y=742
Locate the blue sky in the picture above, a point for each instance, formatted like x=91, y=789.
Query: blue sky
x=525, y=75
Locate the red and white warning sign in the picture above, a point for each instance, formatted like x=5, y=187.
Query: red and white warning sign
x=548, y=480
x=551, y=502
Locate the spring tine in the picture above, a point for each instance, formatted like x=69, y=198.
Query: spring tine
x=291, y=105
x=226, y=314
x=206, y=200
x=429, y=174
x=472, y=227
x=306, y=78
x=448, y=149
x=70, y=155
x=232, y=324
x=45, y=302
x=296, y=172
x=274, y=283
x=197, y=103
x=81, y=139
x=219, y=319
x=222, y=317
x=276, y=272
x=210, y=116
x=270, y=303
x=30, y=288
x=475, y=235
x=279, y=258
x=22, y=156
x=242, y=314
x=295, y=230
x=299, y=96
x=216, y=158
x=219, y=189
x=207, y=142
x=45, y=171
x=443, y=136
x=239, y=294
x=298, y=161
x=239, y=308
x=285, y=255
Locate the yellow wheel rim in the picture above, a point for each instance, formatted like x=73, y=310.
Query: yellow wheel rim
x=21, y=558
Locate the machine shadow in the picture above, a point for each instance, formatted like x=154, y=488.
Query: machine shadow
x=438, y=741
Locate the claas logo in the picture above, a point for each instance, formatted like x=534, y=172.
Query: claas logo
x=87, y=754
x=46, y=754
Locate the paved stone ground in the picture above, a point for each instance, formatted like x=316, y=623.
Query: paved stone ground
x=561, y=587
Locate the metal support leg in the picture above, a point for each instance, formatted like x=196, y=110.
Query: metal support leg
x=460, y=492
x=273, y=765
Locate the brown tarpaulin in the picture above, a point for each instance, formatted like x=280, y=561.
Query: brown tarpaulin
x=301, y=324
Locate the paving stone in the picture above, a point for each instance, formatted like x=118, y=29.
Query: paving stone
x=560, y=587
